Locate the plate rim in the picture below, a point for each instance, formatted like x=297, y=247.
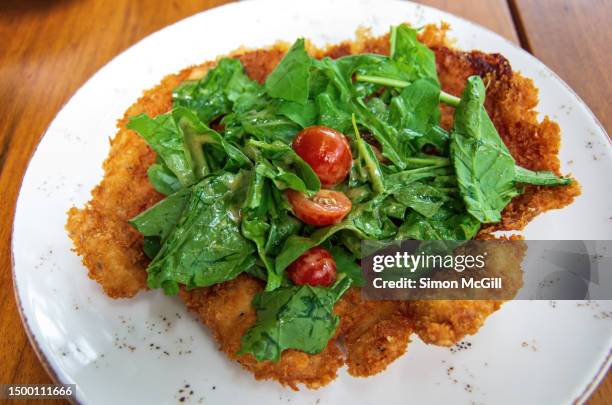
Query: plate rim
x=55, y=376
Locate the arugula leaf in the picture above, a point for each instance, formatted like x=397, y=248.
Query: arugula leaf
x=290, y=79
x=206, y=246
x=297, y=317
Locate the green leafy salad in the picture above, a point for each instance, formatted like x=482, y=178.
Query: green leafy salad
x=236, y=183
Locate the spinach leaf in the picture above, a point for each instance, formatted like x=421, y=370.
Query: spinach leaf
x=206, y=246
x=297, y=317
x=265, y=124
x=266, y=222
x=405, y=47
x=436, y=137
x=254, y=224
x=304, y=115
x=366, y=220
x=225, y=87
x=160, y=219
x=486, y=172
x=423, y=198
x=162, y=179
x=282, y=224
x=290, y=79
x=162, y=135
x=346, y=263
x=371, y=220
x=445, y=224
x=483, y=164
x=340, y=74
x=398, y=179
x=409, y=60
x=396, y=146
x=416, y=109
x=279, y=162
x=156, y=223
x=331, y=114
x=151, y=246
x=197, y=136
x=296, y=245
x=179, y=139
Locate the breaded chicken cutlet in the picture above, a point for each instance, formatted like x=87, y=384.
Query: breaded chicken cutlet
x=374, y=333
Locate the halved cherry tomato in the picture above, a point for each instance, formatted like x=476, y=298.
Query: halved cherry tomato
x=327, y=207
x=315, y=267
x=327, y=151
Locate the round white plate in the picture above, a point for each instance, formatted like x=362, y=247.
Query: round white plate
x=149, y=349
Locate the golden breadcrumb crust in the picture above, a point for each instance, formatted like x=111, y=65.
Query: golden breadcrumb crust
x=374, y=333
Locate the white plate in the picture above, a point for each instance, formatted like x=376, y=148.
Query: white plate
x=147, y=349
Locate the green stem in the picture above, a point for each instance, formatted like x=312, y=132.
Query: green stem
x=449, y=99
x=384, y=81
x=544, y=178
x=371, y=164
x=445, y=97
x=392, y=41
x=430, y=161
x=449, y=190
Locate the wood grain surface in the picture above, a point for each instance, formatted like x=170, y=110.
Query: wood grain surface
x=49, y=48
x=573, y=38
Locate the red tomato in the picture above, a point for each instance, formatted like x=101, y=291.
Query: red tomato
x=327, y=151
x=315, y=267
x=327, y=207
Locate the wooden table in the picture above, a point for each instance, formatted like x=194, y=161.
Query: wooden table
x=48, y=48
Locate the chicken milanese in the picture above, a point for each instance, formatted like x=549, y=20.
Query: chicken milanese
x=372, y=333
